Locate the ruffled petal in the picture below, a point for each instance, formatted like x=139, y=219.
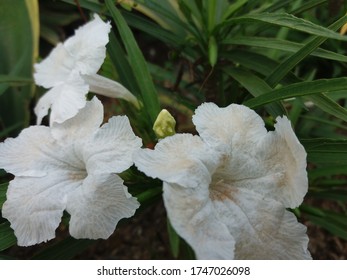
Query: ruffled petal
x=98, y=205
x=87, y=46
x=182, y=159
x=284, y=157
x=83, y=125
x=192, y=215
x=107, y=87
x=235, y=125
x=111, y=148
x=65, y=101
x=34, y=206
x=44, y=104
x=262, y=227
x=32, y=153
x=55, y=69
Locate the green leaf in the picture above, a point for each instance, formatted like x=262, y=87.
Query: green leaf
x=7, y=237
x=308, y=5
x=122, y=65
x=329, y=106
x=3, y=190
x=284, y=68
x=299, y=89
x=326, y=171
x=290, y=21
x=258, y=63
x=335, y=223
x=64, y=250
x=256, y=87
x=174, y=240
x=326, y=151
x=19, y=23
x=15, y=80
x=337, y=195
x=232, y=8
x=283, y=45
x=137, y=62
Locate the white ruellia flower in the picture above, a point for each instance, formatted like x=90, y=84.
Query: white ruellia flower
x=226, y=191
x=70, y=70
x=71, y=166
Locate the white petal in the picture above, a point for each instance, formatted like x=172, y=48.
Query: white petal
x=111, y=148
x=87, y=46
x=44, y=104
x=65, y=101
x=182, y=159
x=55, y=68
x=34, y=206
x=107, y=87
x=284, y=156
x=32, y=153
x=98, y=205
x=236, y=124
x=262, y=227
x=84, y=124
x=192, y=215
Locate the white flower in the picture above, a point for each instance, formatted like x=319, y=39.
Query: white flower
x=70, y=166
x=227, y=190
x=70, y=70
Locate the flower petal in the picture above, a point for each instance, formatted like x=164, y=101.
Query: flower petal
x=192, y=215
x=65, y=101
x=111, y=148
x=284, y=156
x=81, y=126
x=221, y=127
x=55, y=69
x=98, y=205
x=34, y=206
x=107, y=87
x=87, y=46
x=262, y=227
x=30, y=154
x=182, y=159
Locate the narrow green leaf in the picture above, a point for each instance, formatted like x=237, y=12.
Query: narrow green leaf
x=326, y=151
x=278, y=5
x=329, y=106
x=15, y=80
x=64, y=250
x=137, y=62
x=284, y=68
x=258, y=63
x=19, y=22
x=308, y=5
x=337, y=195
x=326, y=171
x=89, y=5
x=7, y=237
x=331, y=226
x=290, y=21
x=299, y=89
x=232, y=8
x=256, y=87
x=122, y=65
x=174, y=240
x=149, y=27
x=148, y=195
x=212, y=51
x=283, y=45
x=3, y=190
